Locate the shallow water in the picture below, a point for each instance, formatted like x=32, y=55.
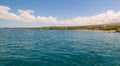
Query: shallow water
x=59, y=48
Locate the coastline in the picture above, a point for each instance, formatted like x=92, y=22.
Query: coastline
x=108, y=31
x=98, y=28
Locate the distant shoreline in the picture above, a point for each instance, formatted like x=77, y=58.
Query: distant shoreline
x=108, y=31
x=97, y=28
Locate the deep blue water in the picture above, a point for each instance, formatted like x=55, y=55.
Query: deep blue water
x=59, y=48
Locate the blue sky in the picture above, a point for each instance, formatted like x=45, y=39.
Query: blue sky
x=62, y=9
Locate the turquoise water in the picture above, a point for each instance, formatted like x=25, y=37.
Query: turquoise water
x=59, y=48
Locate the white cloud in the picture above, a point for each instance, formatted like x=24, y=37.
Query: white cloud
x=108, y=17
x=28, y=16
x=6, y=15
x=23, y=15
x=46, y=19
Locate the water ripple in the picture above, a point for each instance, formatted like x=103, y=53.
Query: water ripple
x=59, y=48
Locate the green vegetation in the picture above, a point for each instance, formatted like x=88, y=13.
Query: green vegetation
x=115, y=28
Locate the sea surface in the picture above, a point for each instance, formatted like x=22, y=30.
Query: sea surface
x=59, y=48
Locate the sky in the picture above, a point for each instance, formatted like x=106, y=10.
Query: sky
x=39, y=13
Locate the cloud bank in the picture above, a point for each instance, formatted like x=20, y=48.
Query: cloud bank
x=28, y=16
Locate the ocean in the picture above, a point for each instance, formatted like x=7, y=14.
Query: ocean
x=59, y=48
